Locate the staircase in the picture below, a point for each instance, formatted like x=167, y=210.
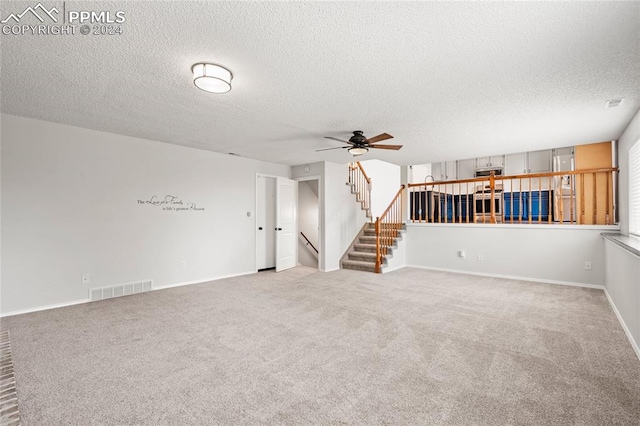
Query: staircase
x=361, y=256
x=377, y=240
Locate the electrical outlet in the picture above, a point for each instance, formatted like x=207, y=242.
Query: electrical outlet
x=480, y=258
x=587, y=265
x=86, y=278
x=462, y=254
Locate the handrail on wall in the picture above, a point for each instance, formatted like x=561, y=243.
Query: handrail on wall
x=309, y=243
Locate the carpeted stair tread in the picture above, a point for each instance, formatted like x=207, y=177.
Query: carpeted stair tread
x=364, y=247
x=359, y=265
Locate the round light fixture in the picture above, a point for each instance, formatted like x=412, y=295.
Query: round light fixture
x=358, y=150
x=211, y=78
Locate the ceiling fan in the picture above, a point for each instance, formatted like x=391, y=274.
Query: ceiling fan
x=359, y=144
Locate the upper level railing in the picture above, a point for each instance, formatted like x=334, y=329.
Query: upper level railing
x=578, y=197
x=361, y=184
x=388, y=225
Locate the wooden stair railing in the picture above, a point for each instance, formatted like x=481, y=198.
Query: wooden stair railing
x=388, y=226
x=361, y=184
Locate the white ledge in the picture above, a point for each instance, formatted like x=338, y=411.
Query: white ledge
x=627, y=242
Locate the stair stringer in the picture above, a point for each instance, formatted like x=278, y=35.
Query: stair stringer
x=353, y=243
x=367, y=210
x=399, y=258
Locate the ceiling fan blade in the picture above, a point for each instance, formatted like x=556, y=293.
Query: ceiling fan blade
x=337, y=147
x=394, y=147
x=381, y=137
x=339, y=140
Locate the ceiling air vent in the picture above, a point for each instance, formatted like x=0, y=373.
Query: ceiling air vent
x=612, y=103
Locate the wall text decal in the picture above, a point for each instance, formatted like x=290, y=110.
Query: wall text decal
x=171, y=203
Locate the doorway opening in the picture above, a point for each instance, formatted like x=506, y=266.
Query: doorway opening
x=309, y=222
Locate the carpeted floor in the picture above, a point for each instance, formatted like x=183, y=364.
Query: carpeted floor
x=301, y=347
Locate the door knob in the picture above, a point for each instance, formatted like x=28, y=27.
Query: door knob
x=278, y=229
x=260, y=228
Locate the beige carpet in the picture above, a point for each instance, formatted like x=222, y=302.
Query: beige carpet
x=302, y=347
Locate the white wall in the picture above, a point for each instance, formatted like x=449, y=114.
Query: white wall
x=308, y=209
x=70, y=207
x=530, y=252
x=385, y=183
x=622, y=272
x=626, y=141
x=419, y=172
x=622, y=267
x=343, y=215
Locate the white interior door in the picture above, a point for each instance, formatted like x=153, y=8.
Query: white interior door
x=286, y=224
x=266, y=222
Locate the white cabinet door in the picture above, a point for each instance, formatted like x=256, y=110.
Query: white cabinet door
x=482, y=162
x=466, y=168
x=491, y=161
x=496, y=161
x=539, y=161
x=515, y=164
x=437, y=170
x=450, y=170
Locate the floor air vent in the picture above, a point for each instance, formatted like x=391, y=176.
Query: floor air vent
x=119, y=290
x=9, y=415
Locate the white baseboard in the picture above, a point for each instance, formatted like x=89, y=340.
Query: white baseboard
x=78, y=302
x=633, y=342
x=43, y=308
x=205, y=280
x=510, y=277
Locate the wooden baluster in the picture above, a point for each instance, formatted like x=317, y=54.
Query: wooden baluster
x=595, y=199
x=607, y=219
x=539, y=199
x=377, y=245
x=572, y=190
x=467, y=203
x=439, y=207
x=511, y=186
x=582, y=202
x=549, y=184
x=561, y=203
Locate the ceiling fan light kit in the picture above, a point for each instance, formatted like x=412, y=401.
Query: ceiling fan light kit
x=359, y=144
x=211, y=78
x=358, y=150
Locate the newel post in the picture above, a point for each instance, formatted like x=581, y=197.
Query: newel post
x=377, y=245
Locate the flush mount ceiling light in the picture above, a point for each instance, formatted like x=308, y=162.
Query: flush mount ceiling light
x=211, y=78
x=358, y=150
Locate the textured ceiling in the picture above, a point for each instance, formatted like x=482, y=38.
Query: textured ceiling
x=448, y=79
